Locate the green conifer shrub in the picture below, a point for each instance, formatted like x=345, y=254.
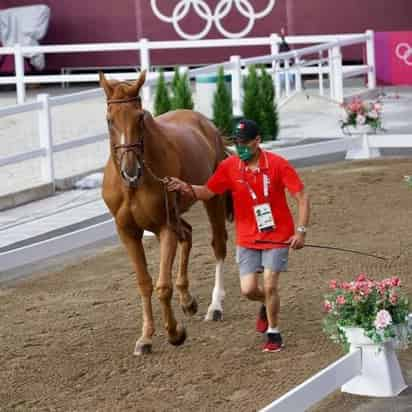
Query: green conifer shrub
x=162, y=103
x=182, y=98
x=222, y=105
x=269, y=114
x=251, y=97
x=174, y=84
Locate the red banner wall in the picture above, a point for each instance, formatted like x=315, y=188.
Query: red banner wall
x=94, y=21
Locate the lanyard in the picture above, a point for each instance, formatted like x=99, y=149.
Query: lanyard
x=265, y=182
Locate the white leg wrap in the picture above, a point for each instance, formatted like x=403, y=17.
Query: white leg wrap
x=218, y=292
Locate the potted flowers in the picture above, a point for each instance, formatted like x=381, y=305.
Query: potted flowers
x=369, y=315
x=359, y=113
x=366, y=311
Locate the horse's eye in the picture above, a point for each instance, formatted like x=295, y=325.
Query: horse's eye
x=109, y=123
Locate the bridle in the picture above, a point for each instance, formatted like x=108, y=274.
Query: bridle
x=138, y=147
x=138, y=150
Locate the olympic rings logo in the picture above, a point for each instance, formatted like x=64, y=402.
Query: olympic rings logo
x=204, y=11
x=404, y=52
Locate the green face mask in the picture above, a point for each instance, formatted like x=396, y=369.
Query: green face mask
x=244, y=152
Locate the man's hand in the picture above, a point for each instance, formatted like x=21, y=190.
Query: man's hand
x=297, y=241
x=176, y=185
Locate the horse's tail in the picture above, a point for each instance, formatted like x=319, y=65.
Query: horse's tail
x=229, y=206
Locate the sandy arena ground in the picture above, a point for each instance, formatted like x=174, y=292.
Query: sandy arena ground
x=67, y=337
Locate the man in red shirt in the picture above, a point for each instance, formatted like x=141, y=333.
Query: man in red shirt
x=265, y=228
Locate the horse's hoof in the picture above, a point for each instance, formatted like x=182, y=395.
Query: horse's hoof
x=191, y=308
x=214, y=314
x=142, y=349
x=179, y=338
x=217, y=315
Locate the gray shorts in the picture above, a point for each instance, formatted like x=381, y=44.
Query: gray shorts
x=249, y=260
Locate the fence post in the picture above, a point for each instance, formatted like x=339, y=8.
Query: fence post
x=370, y=59
x=338, y=73
x=19, y=70
x=287, y=77
x=320, y=67
x=331, y=75
x=274, y=50
x=236, y=72
x=46, y=139
x=298, y=75
x=145, y=65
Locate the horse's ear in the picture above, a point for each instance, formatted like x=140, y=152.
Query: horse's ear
x=108, y=89
x=134, y=90
x=141, y=79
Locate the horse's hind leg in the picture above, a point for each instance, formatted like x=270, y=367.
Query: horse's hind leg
x=164, y=286
x=215, y=208
x=187, y=302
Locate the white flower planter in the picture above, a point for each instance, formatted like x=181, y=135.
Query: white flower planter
x=363, y=149
x=381, y=374
x=400, y=342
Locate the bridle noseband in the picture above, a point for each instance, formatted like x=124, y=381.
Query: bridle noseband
x=138, y=147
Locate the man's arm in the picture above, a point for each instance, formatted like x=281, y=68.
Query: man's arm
x=297, y=241
x=196, y=192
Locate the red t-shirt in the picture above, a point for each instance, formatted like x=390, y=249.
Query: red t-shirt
x=233, y=174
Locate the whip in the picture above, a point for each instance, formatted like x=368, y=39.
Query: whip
x=324, y=247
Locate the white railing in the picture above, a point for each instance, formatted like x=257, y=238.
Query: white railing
x=47, y=148
x=55, y=246
x=332, y=46
x=293, y=67
x=46, y=249
x=320, y=385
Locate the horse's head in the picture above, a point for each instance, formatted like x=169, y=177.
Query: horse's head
x=125, y=117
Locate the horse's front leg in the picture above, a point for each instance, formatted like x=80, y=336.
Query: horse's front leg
x=131, y=237
x=164, y=286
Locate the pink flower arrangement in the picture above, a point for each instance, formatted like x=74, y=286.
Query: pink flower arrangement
x=377, y=306
x=359, y=113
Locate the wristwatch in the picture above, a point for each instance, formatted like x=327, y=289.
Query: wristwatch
x=301, y=229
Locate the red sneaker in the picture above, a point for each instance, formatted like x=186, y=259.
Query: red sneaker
x=262, y=320
x=273, y=343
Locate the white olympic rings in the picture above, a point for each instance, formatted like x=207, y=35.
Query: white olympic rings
x=404, y=52
x=204, y=11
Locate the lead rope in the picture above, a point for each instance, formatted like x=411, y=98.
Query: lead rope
x=164, y=181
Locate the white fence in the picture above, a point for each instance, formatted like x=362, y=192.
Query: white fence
x=285, y=67
x=320, y=385
x=46, y=249
x=329, y=60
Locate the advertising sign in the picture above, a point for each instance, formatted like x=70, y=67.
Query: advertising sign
x=393, y=52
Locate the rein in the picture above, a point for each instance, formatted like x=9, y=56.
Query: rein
x=324, y=247
x=163, y=181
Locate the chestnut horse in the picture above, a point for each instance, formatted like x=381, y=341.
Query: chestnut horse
x=144, y=152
